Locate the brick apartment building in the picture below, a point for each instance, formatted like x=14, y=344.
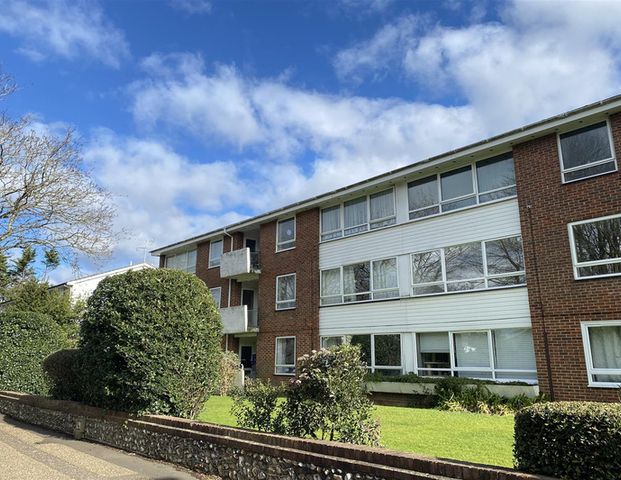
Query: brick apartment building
x=500, y=260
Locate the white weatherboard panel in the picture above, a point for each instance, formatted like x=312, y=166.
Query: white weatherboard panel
x=503, y=308
x=474, y=224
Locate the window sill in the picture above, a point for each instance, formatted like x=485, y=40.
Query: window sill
x=284, y=309
x=597, y=277
x=605, y=385
x=284, y=374
x=285, y=250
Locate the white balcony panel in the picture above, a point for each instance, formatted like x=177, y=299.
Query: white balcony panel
x=238, y=264
x=504, y=308
x=234, y=319
x=474, y=224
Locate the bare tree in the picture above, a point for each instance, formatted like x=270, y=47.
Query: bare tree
x=47, y=197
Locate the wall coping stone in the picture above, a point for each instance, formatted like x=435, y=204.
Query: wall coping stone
x=377, y=462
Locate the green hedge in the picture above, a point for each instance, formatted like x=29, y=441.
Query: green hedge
x=150, y=343
x=26, y=339
x=63, y=371
x=570, y=440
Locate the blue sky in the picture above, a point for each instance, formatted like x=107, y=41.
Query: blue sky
x=198, y=113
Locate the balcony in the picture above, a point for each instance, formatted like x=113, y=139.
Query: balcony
x=239, y=320
x=241, y=265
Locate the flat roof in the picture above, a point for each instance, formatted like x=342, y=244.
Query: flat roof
x=506, y=139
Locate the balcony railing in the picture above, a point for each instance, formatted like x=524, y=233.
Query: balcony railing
x=239, y=320
x=241, y=265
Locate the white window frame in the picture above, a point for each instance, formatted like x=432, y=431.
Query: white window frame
x=189, y=268
x=475, y=185
x=293, y=241
x=368, y=223
x=574, y=255
x=212, y=261
x=276, y=364
x=372, y=290
x=295, y=291
x=591, y=371
x=588, y=165
x=486, y=276
x=219, y=305
x=492, y=361
x=346, y=339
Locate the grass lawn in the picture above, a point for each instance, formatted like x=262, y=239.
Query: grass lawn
x=461, y=436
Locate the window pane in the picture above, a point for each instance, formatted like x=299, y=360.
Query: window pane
x=286, y=288
x=425, y=212
x=505, y=192
x=215, y=252
x=609, y=269
x=506, y=281
x=356, y=280
x=329, y=342
x=586, y=145
x=331, y=219
x=433, y=352
x=388, y=350
x=385, y=274
x=331, y=286
x=495, y=173
x=457, y=183
x=355, y=216
x=606, y=346
x=216, y=293
x=464, y=261
x=471, y=349
x=600, y=240
x=464, y=202
x=285, y=355
x=504, y=256
x=513, y=349
x=365, y=346
x=382, y=204
x=590, y=171
x=423, y=193
x=427, y=267
x=428, y=289
x=286, y=233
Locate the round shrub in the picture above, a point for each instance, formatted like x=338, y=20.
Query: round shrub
x=25, y=340
x=150, y=343
x=572, y=440
x=63, y=371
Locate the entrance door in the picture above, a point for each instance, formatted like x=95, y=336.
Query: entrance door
x=251, y=244
x=248, y=300
x=245, y=355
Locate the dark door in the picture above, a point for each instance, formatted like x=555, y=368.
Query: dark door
x=246, y=357
x=251, y=244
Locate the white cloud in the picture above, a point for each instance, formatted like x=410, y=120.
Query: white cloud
x=68, y=29
x=193, y=7
x=541, y=60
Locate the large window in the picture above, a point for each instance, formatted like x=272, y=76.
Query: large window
x=587, y=152
x=185, y=261
x=469, y=266
x=285, y=356
x=285, y=234
x=215, y=253
x=505, y=354
x=381, y=352
x=596, y=247
x=359, y=215
x=484, y=181
x=359, y=282
x=602, y=347
x=285, y=292
x=216, y=293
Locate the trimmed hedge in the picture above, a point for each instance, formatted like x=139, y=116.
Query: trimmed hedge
x=570, y=440
x=150, y=343
x=63, y=371
x=26, y=339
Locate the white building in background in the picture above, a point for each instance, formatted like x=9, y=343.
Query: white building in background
x=82, y=288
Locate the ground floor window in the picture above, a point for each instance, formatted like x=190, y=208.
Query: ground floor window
x=602, y=347
x=381, y=352
x=285, y=356
x=503, y=354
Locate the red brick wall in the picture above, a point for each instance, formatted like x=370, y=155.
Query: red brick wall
x=303, y=321
x=558, y=303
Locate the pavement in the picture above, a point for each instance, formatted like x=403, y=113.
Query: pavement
x=29, y=452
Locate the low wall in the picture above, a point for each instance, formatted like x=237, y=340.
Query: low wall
x=237, y=453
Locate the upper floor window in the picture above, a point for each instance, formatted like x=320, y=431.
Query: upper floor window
x=587, y=152
x=360, y=282
x=215, y=252
x=469, y=266
x=602, y=345
x=285, y=234
x=216, y=293
x=359, y=215
x=596, y=247
x=185, y=261
x=484, y=181
x=285, y=292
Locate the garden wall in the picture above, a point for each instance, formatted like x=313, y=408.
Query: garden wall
x=237, y=453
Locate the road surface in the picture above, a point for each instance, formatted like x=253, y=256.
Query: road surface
x=28, y=452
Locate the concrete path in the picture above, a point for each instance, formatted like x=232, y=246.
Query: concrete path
x=29, y=452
